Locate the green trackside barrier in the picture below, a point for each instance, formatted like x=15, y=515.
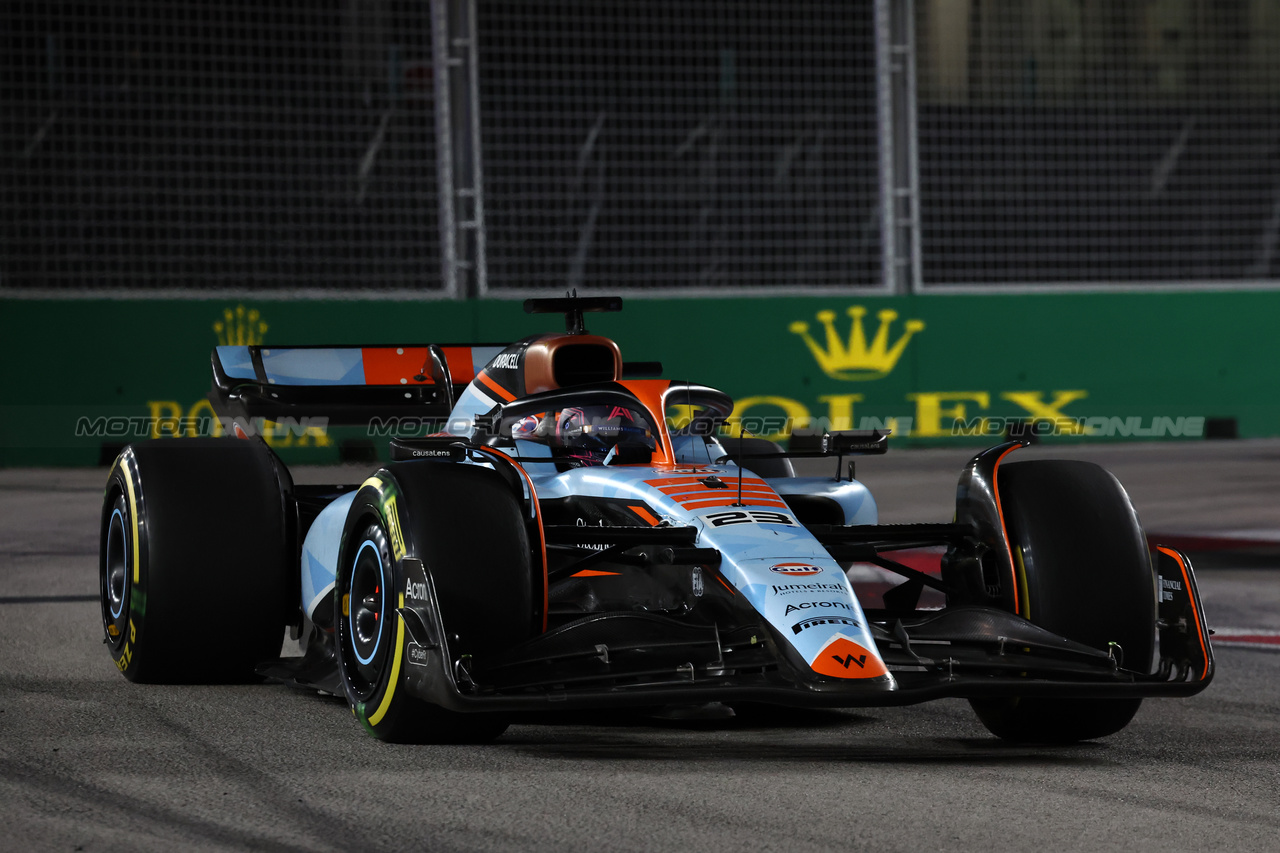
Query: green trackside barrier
x=936, y=369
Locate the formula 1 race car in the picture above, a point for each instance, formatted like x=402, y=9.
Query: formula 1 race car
x=571, y=536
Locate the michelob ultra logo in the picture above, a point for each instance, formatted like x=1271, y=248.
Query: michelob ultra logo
x=852, y=357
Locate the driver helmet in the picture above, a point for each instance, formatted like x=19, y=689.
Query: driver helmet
x=590, y=432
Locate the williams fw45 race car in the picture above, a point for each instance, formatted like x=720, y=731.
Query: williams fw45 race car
x=578, y=538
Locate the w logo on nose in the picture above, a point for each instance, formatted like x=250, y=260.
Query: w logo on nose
x=843, y=658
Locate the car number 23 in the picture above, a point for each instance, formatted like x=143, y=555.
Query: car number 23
x=748, y=516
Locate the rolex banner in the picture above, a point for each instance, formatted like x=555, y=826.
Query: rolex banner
x=85, y=377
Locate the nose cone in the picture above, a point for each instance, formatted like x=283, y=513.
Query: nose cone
x=811, y=604
x=843, y=658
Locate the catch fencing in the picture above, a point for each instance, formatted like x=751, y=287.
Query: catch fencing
x=471, y=148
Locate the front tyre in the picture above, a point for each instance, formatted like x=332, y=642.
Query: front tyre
x=1085, y=573
x=465, y=524
x=371, y=641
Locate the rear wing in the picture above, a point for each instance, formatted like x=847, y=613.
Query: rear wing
x=346, y=385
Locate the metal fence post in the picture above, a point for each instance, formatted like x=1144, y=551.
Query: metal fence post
x=458, y=157
x=899, y=164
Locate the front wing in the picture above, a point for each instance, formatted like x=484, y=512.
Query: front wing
x=617, y=660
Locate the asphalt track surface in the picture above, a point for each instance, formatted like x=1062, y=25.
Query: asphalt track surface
x=89, y=761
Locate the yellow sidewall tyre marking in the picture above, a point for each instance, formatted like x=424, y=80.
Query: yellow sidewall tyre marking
x=394, y=680
x=127, y=476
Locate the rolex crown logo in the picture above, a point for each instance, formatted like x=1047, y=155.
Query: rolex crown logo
x=857, y=359
x=240, y=327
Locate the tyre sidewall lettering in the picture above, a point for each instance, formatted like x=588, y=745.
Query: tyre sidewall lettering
x=131, y=622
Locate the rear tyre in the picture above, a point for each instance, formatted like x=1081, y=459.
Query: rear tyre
x=193, y=560
x=1085, y=573
x=467, y=527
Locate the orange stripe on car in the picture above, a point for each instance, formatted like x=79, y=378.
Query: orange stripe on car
x=592, y=573
x=650, y=393
x=699, y=489
x=695, y=494
x=690, y=481
x=487, y=381
x=1004, y=531
x=732, y=500
x=643, y=512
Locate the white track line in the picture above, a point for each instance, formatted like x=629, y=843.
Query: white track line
x=1247, y=638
